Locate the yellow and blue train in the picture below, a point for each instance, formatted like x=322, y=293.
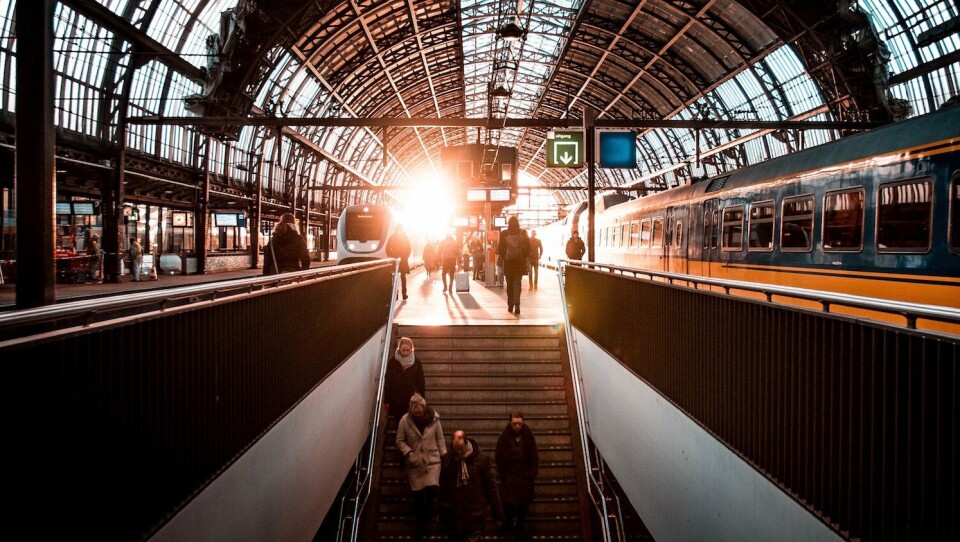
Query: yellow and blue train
x=876, y=214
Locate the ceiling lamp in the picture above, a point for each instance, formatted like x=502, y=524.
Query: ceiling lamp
x=511, y=32
x=500, y=91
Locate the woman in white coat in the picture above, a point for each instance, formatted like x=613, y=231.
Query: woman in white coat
x=420, y=440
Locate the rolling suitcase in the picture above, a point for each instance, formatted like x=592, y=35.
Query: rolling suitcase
x=462, y=281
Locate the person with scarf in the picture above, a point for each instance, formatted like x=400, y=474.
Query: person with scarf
x=517, y=462
x=404, y=378
x=420, y=440
x=467, y=489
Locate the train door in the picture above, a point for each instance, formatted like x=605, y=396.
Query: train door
x=675, y=241
x=709, y=236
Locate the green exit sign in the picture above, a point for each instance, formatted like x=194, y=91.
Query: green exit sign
x=565, y=149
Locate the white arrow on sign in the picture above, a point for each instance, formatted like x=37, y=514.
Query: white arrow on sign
x=562, y=151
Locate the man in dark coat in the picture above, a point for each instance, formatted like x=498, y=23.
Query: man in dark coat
x=515, y=250
x=287, y=251
x=467, y=488
x=517, y=463
x=575, y=248
x=449, y=253
x=398, y=246
x=536, y=251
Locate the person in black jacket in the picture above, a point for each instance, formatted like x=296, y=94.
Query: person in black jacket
x=514, y=248
x=404, y=378
x=575, y=248
x=467, y=488
x=287, y=250
x=517, y=463
x=398, y=246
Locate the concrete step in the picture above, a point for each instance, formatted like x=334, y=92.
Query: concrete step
x=546, y=525
x=452, y=408
x=489, y=367
x=563, y=506
x=511, y=396
x=419, y=332
x=504, y=355
x=492, y=381
x=566, y=487
x=547, y=453
x=547, y=470
x=425, y=344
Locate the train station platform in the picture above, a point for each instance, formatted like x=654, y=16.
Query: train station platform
x=428, y=304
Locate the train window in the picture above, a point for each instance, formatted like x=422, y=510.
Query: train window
x=364, y=226
x=634, y=234
x=904, y=216
x=658, y=232
x=715, y=230
x=732, y=228
x=955, y=213
x=796, y=224
x=761, y=226
x=678, y=235
x=843, y=220
x=624, y=234
x=645, y=233
x=616, y=236
x=707, y=229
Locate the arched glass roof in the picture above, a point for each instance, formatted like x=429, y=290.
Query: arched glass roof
x=407, y=58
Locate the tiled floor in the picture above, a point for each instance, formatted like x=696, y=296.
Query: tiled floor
x=429, y=305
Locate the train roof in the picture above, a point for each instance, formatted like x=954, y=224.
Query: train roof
x=938, y=126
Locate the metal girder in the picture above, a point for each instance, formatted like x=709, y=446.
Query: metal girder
x=329, y=122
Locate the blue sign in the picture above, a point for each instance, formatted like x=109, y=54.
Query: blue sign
x=617, y=149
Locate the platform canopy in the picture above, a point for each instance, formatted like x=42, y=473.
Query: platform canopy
x=876, y=60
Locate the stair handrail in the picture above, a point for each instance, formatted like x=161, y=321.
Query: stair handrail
x=365, y=486
x=577, y=385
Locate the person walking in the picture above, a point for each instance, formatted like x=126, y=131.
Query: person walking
x=449, y=253
x=467, y=489
x=420, y=440
x=135, y=251
x=429, y=257
x=96, y=259
x=398, y=246
x=403, y=379
x=517, y=463
x=575, y=249
x=515, y=251
x=536, y=251
x=476, y=253
x=287, y=250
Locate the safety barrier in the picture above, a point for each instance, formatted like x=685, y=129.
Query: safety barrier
x=856, y=419
x=128, y=407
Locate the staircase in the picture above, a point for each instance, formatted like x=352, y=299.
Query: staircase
x=475, y=376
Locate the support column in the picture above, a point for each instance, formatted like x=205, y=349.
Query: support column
x=36, y=186
x=253, y=225
x=200, y=211
x=590, y=134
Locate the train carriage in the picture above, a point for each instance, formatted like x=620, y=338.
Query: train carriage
x=875, y=214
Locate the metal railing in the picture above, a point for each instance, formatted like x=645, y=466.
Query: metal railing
x=610, y=527
x=132, y=404
x=856, y=419
x=350, y=525
x=910, y=312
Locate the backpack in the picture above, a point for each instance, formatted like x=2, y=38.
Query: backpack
x=514, y=248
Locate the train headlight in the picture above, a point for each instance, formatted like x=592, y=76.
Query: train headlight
x=375, y=246
x=350, y=246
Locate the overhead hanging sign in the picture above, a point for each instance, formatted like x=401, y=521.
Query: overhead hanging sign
x=617, y=148
x=565, y=149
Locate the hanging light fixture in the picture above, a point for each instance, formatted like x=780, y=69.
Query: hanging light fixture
x=500, y=91
x=512, y=31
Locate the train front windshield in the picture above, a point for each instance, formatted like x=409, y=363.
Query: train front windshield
x=364, y=226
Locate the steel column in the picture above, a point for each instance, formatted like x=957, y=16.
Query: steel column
x=35, y=177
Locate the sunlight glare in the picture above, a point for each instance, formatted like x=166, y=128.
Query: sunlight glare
x=428, y=208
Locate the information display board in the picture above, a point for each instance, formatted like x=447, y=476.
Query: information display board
x=617, y=149
x=224, y=220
